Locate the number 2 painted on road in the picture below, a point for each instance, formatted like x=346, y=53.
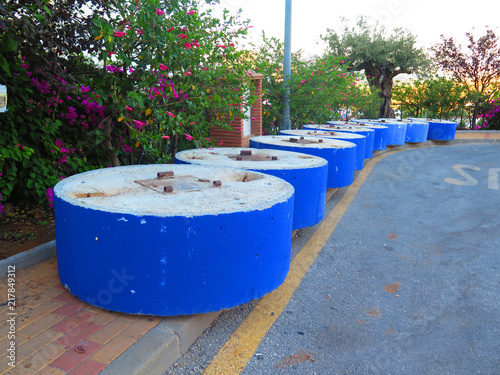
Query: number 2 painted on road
x=471, y=181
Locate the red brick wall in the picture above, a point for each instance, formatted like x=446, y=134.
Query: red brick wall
x=234, y=138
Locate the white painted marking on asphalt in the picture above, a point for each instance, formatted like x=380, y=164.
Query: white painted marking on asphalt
x=469, y=180
x=493, y=178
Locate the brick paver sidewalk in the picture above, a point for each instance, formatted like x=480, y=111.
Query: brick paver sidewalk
x=56, y=333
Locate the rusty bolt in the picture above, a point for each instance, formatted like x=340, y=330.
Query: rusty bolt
x=168, y=189
x=165, y=174
x=246, y=152
x=274, y=158
x=320, y=140
x=217, y=183
x=293, y=139
x=203, y=180
x=301, y=137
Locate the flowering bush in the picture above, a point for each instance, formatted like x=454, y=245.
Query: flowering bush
x=490, y=116
x=128, y=83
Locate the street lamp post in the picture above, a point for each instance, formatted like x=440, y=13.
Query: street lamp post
x=287, y=64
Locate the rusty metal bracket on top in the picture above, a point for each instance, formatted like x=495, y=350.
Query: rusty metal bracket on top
x=247, y=155
x=166, y=182
x=302, y=140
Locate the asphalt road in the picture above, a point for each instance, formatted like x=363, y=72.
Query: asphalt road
x=408, y=282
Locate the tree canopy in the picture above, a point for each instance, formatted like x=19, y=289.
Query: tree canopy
x=477, y=67
x=382, y=57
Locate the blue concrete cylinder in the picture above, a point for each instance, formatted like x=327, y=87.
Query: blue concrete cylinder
x=306, y=173
x=126, y=242
x=368, y=133
x=341, y=155
x=396, y=132
x=416, y=131
x=380, y=141
x=358, y=139
x=439, y=130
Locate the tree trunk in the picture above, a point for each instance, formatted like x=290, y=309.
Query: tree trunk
x=474, y=116
x=115, y=162
x=381, y=78
x=385, y=109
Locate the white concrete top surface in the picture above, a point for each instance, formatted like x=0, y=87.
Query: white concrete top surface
x=432, y=120
x=352, y=128
x=361, y=123
x=283, y=140
x=115, y=190
x=323, y=133
x=222, y=157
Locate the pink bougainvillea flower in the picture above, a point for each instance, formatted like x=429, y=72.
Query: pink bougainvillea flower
x=222, y=46
x=220, y=144
x=182, y=36
x=113, y=69
x=342, y=61
x=188, y=73
x=119, y=33
x=208, y=139
x=312, y=122
x=170, y=114
x=187, y=45
x=111, y=53
x=188, y=137
x=191, y=12
x=139, y=31
x=170, y=29
x=129, y=108
x=159, y=12
x=84, y=88
x=165, y=137
x=206, y=68
x=253, y=118
x=192, y=123
x=163, y=66
x=303, y=81
x=139, y=123
x=49, y=193
x=196, y=44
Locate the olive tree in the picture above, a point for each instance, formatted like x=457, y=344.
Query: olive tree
x=381, y=56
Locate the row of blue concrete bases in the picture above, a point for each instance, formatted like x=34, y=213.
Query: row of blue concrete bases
x=154, y=264
x=368, y=135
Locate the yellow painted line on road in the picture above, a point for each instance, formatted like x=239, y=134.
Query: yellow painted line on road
x=239, y=349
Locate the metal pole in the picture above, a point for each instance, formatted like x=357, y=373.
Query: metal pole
x=287, y=64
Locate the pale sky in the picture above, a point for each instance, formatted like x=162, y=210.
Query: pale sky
x=424, y=18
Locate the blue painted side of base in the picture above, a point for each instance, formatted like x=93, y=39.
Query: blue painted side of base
x=396, y=134
x=175, y=265
x=441, y=132
x=416, y=132
x=310, y=192
x=380, y=141
x=341, y=160
x=370, y=138
x=359, y=142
